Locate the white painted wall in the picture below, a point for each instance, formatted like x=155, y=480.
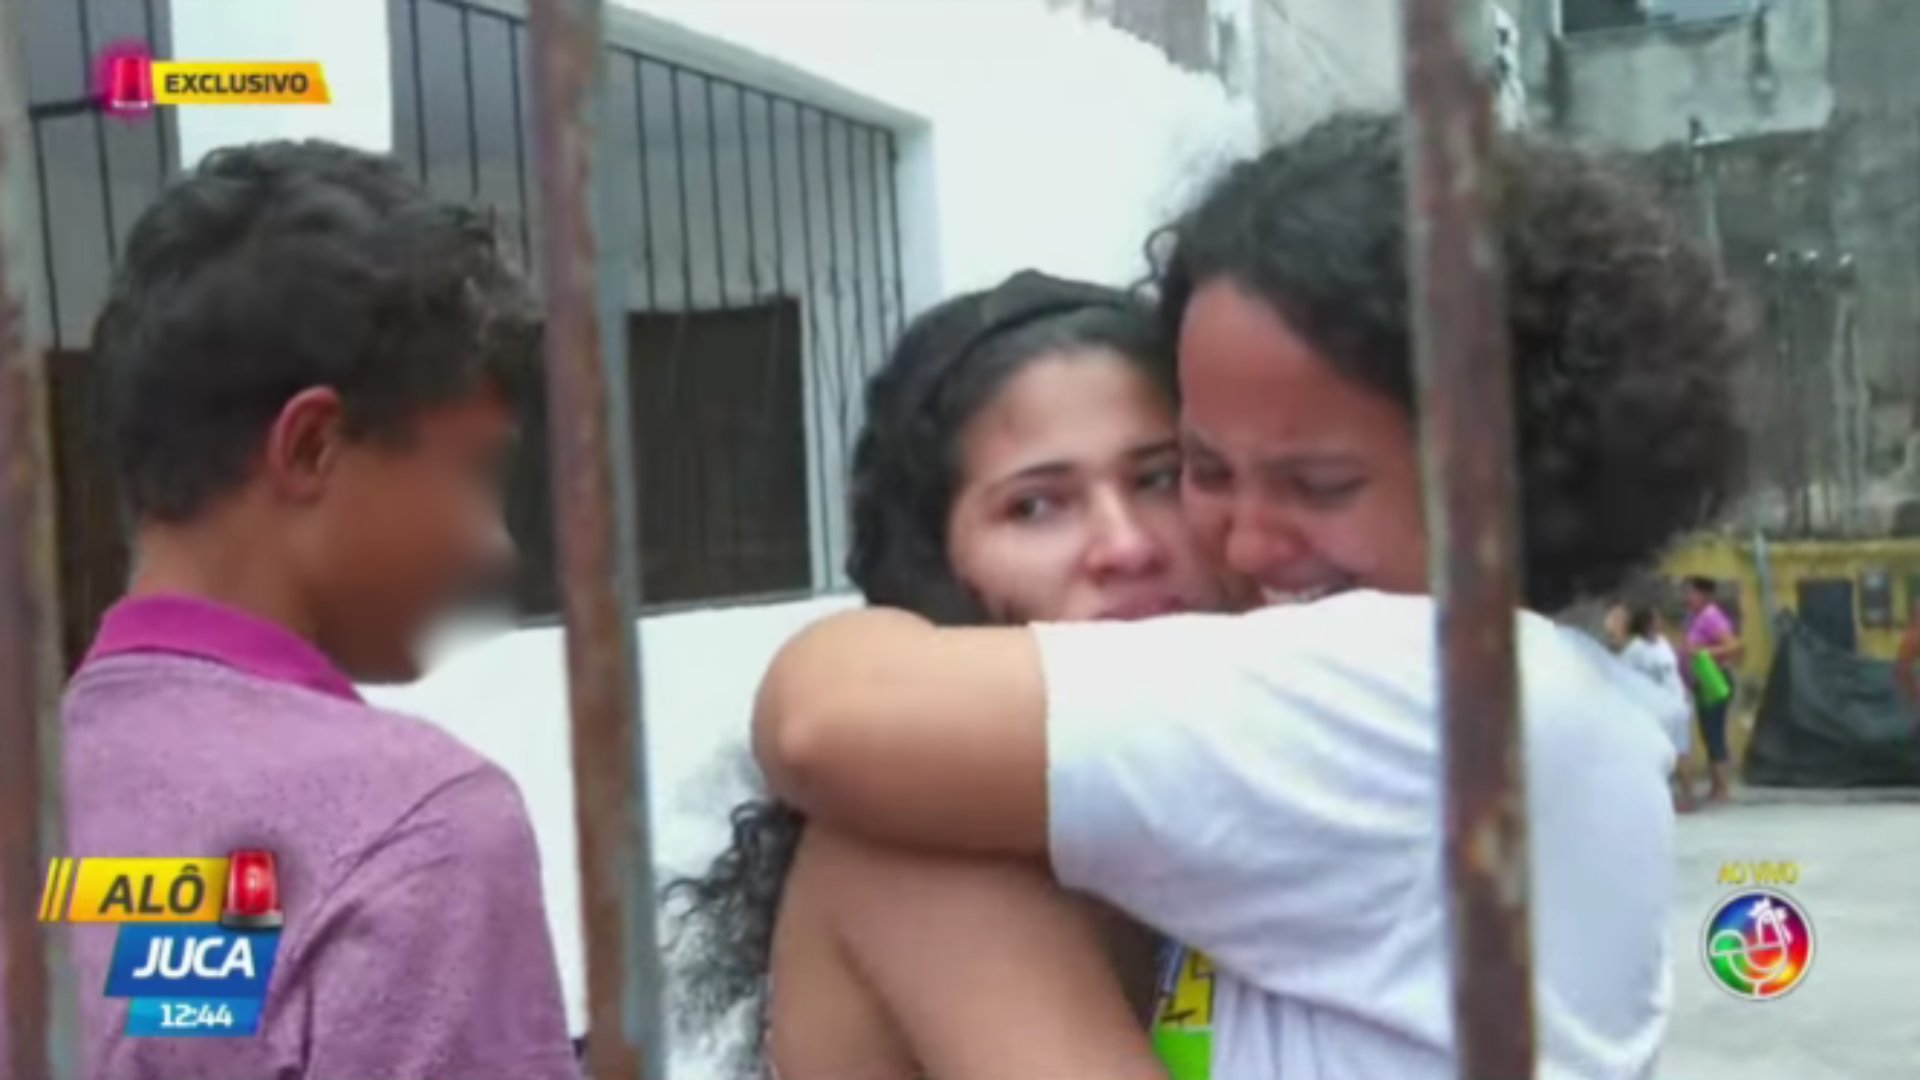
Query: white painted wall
x=1047, y=139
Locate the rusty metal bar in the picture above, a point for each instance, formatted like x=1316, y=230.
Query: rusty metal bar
x=37, y=997
x=1466, y=412
x=586, y=367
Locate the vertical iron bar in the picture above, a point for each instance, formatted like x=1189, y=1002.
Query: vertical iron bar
x=160, y=125
x=45, y=196
x=419, y=89
x=680, y=165
x=773, y=175
x=816, y=360
x=99, y=136
x=646, y=181
x=519, y=142
x=877, y=173
x=473, y=109
x=37, y=1001
x=588, y=406
x=746, y=182
x=858, y=282
x=1467, y=443
x=833, y=274
x=713, y=170
x=893, y=207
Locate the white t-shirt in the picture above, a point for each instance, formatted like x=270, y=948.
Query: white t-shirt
x=1268, y=788
x=1655, y=659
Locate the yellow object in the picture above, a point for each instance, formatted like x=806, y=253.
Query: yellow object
x=239, y=82
x=134, y=890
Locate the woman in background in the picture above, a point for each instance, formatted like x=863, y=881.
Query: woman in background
x=1639, y=635
x=1711, y=640
x=1019, y=462
x=1906, y=670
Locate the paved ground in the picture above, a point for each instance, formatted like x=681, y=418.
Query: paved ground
x=1857, y=1016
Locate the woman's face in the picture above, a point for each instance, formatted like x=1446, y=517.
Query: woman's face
x=1068, y=507
x=1616, y=625
x=1297, y=477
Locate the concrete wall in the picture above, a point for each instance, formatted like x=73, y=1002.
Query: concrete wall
x=1314, y=58
x=1637, y=88
x=1876, y=207
x=1318, y=57
x=1834, y=79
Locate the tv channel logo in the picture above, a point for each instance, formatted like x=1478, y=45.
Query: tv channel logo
x=1758, y=944
x=197, y=941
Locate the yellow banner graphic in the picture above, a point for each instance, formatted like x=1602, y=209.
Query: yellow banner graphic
x=135, y=890
x=203, y=82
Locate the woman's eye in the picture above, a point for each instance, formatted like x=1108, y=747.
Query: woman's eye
x=1164, y=478
x=1328, y=491
x=1032, y=508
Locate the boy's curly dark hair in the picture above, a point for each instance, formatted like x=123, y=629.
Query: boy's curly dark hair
x=274, y=267
x=1625, y=341
x=949, y=364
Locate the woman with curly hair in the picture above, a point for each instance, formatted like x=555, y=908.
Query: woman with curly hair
x=1019, y=461
x=1268, y=787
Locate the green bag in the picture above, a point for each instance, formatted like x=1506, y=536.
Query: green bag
x=1710, y=685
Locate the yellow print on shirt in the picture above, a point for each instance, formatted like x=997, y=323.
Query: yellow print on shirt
x=1183, y=1016
x=1188, y=1003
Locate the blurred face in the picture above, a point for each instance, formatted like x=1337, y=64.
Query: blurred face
x=1616, y=625
x=1068, y=507
x=1697, y=600
x=1297, y=477
x=401, y=532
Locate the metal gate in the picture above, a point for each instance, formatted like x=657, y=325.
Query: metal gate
x=1467, y=439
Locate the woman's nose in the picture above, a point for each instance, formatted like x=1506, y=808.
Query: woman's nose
x=1122, y=544
x=1260, y=544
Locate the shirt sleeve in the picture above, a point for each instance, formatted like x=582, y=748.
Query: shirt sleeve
x=1264, y=788
x=431, y=958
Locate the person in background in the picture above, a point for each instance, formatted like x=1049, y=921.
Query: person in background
x=1906, y=664
x=1019, y=460
x=1639, y=636
x=309, y=370
x=1268, y=788
x=1712, y=657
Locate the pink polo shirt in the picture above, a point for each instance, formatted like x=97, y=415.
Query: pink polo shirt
x=415, y=943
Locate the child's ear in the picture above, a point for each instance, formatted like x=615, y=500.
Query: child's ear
x=304, y=443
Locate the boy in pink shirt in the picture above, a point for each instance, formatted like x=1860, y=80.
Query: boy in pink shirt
x=309, y=370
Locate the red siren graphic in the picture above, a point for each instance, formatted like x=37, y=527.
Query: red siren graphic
x=253, y=891
x=126, y=80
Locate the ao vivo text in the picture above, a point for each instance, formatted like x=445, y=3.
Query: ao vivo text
x=1775, y=872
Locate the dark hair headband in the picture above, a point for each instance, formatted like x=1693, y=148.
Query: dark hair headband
x=1022, y=300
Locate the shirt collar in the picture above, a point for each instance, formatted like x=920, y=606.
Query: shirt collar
x=189, y=626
